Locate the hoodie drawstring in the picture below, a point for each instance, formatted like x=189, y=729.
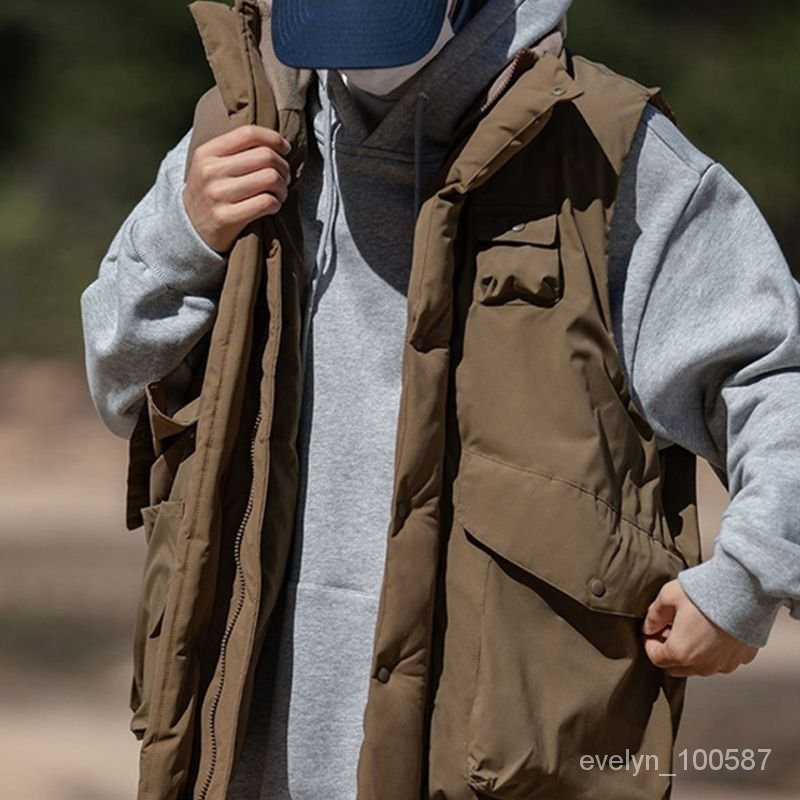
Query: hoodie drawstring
x=324, y=255
x=419, y=144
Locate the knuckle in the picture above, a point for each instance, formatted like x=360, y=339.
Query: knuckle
x=674, y=672
x=258, y=133
x=679, y=652
x=657, y=656
x=273, y=156
x=242, y=135
x=680, y=672
x=262, y=155
x=214, y=192
x=271, y=204
x=272, y=177
x=200, y=153
x=220, y=216
x=669, y=591
x=658, y=660
x=205, y=170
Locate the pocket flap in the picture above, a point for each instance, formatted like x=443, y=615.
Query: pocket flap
x=563, y=534
x=519, y=228
x=164, y=425
x=153, y=427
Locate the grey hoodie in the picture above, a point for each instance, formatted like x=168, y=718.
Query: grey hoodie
x=720, y=377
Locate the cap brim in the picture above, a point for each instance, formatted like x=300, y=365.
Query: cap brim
x=355, y=34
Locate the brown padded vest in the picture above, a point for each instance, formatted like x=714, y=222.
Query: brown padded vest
x=534, y=518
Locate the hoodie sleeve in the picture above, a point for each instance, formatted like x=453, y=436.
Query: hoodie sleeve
x=707, y=318
x=153, y=299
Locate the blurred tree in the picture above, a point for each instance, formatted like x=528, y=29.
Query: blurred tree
x=96, y=92
x=728, y=68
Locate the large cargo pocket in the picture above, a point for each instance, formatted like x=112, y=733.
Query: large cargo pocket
x=159, y=446
x=561, y=672
x=161, y=526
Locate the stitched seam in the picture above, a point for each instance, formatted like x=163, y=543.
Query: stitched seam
x=610, y=73
x=545, y=116
x=469, y=760
x=574, y=485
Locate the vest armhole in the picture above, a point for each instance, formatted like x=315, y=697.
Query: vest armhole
x=658, y=100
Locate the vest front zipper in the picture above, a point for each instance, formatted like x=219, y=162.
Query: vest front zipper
x=240, y=593
x=240, y=597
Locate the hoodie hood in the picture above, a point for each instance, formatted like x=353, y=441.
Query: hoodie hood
x=451, y=82
x=424, y=119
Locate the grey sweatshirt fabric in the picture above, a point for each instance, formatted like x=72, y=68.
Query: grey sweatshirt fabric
x=705, y=313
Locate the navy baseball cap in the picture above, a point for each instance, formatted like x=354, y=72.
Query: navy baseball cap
x=355, y=34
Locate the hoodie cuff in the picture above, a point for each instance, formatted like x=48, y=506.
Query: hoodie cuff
x=171, y=247
x=731, y=598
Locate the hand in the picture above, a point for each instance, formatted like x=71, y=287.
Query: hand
x=680, y=639
x=234, y=179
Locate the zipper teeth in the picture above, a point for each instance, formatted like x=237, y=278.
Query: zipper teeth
x=504, y=85
x=510, y=77
x=521, y=59
x=239, y=605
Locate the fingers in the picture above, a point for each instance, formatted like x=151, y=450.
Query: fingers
x=662, y=610
x=749, y=654
x=661, y=653
x=688, y=672
x=237, y=215
x=234, y=190
x=234, y=179
x=244, y=138
x=252, y=160
x=680, y=639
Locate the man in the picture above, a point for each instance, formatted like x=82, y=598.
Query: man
x=705, y=319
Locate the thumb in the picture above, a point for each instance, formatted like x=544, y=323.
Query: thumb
x=661, y=611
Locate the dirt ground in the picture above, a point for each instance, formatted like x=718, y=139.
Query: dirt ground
x=68, y=583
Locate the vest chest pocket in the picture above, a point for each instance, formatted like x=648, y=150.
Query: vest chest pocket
x=517, y=261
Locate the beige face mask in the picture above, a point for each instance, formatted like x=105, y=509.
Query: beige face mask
x=384, y=81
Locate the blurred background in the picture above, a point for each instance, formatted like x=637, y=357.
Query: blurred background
x=94, y=94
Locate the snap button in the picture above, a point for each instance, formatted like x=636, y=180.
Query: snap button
x=383, y=674
x=520, y=226
x=403, y=509
x=597, y=588
x=559, y=90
